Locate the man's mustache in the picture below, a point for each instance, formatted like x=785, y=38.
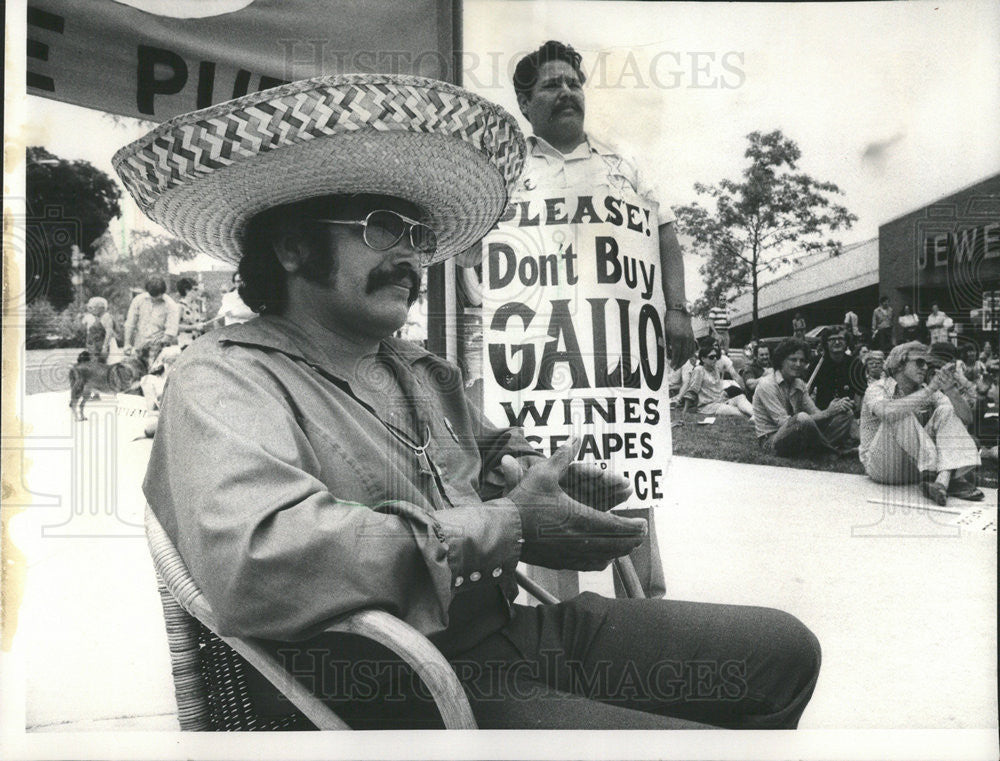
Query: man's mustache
x=397, y=274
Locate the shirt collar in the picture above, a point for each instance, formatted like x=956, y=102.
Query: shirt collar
x=539, y=146
x=282, y=335
x=796, y=382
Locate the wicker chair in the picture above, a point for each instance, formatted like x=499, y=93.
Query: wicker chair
x=210, y=670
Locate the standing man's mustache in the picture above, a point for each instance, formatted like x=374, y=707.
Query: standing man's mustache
x=397, y=274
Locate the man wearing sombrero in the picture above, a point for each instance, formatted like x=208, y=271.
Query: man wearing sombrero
x=307, y=464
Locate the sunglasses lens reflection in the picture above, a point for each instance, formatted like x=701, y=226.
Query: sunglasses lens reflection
x=383, y=230
x=423, y=239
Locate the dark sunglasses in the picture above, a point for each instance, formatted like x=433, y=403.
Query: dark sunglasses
x=920, y=363
x=711, y=356
x=383, y=229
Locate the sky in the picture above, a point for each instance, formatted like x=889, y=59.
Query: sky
x=897, y=103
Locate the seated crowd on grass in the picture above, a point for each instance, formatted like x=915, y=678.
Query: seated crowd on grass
x=919, y=415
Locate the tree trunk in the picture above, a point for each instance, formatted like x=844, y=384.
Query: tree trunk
x=753, y=286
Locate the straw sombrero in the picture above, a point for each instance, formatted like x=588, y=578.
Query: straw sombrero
x=205, y=174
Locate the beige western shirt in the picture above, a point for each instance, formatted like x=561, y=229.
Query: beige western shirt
x=776, y=400
x=292, y=502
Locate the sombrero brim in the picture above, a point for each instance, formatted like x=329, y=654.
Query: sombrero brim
x=204, y=175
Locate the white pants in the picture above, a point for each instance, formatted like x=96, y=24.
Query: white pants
x=903, y=449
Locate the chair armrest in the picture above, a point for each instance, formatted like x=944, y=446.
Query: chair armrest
x=418, y=651
x=378, y=625
x=629, y=578
x=535, y=589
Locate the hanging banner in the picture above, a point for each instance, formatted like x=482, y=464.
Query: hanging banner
x=573, y=336
x=154, y=59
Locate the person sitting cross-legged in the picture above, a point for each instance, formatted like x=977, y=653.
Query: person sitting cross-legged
x=788, y=421
x=836, y=376
x=910, y=432
x=707, y=388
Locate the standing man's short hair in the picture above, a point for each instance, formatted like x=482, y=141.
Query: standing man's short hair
x=156, y=286
x=526, y=73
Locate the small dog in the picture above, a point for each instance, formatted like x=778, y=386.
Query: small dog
x=87, y=376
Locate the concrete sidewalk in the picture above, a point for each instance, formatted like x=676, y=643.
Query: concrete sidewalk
x=903, y=600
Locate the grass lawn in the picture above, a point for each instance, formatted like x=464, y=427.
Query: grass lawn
x=733, y=439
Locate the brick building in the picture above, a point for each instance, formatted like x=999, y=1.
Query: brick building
x=948, y=252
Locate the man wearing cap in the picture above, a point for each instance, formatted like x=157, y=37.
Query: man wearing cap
x=909, y=430
x=308, y=465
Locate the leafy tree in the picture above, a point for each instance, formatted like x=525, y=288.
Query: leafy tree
x=760, y=223
x=45, y=328
x=69, y=204
x=149, y=254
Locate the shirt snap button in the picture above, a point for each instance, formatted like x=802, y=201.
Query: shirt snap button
x=458, y=581
x=475, y=576
x=497, y=572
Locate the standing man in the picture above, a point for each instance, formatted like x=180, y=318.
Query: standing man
x=719, y=318
x=799, y=326
x=938, y=324
x=852, y=324
x=882, y=326
x=153, y=321
x=565, y=161
x=549, y=86
x=232, y=310
x=308, y=465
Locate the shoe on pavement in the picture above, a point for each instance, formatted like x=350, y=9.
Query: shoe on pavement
x=935, y=492
x=962, y=489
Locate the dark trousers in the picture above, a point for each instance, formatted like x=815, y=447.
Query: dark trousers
x=800, y=435
x=882, y=340
x=596, y=663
